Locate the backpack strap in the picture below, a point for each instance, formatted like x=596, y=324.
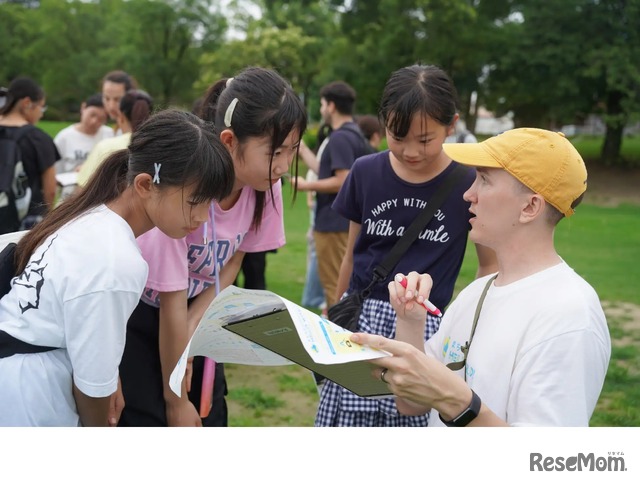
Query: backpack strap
x=7, y=267
x=354, y=128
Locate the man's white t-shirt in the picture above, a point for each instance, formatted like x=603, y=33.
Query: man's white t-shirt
x=76, y=294
x=541, y=348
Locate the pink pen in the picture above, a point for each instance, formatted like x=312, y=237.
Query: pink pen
x=430, y=307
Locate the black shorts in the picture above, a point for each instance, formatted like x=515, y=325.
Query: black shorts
x=141, y=376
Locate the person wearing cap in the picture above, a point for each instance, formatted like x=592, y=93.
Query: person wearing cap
x=527, y=346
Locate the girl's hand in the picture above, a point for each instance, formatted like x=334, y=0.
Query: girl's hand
x=407, y=301
x=116, y=405
x=300, y=183
x=182, y=412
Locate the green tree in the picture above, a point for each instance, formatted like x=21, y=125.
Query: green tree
x=14, y=35
x=164, y=41
x=564, y=60
x=278, y=49
x=290, y=37
x=384, y=35
x=611, y=64
x=69, y=46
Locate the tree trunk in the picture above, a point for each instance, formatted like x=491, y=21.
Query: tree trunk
x=615, y=122
x=612, y=144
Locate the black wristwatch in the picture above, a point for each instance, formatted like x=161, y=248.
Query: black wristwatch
x=468, y=415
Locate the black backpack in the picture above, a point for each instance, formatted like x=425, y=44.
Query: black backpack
x=367, y=148
x=7, y=268
x=15, y=193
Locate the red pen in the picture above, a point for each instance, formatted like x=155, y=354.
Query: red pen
x=430, y=307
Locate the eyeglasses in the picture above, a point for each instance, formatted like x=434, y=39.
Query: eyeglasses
x=43, y=108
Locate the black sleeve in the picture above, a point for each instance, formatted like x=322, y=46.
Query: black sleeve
x=39, y=152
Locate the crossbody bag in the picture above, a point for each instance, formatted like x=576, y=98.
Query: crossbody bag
x=347, y=311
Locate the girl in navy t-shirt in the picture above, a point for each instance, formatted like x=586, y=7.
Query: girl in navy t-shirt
x=382, y=195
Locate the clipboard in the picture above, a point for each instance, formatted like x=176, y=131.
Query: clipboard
x=276, y=332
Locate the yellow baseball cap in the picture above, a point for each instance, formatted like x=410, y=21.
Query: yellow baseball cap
x=545, y=161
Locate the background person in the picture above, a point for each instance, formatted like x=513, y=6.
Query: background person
x=372, y=129
x=135, y=107
x=22, y=105
x=345, y=144
x=461, y=134
x=114, y=85
x=76, y=141
x=312, y=292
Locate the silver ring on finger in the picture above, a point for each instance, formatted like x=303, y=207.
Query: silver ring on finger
x=382, y=374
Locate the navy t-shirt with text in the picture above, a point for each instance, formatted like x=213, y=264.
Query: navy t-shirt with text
x=385, y=206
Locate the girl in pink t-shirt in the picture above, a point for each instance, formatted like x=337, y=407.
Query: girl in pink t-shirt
x=260, y=120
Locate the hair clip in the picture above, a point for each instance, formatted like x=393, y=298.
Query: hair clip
x=229, y=113
x=156, y=177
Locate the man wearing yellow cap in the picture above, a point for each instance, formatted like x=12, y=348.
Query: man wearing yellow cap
x=528, y=346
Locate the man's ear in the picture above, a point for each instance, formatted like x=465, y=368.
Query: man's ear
x=451, y=129
x=533, y=209
x=143, y=185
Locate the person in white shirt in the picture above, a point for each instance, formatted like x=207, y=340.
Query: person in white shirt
x=80, y=273
x=135, y=107
x=76, y=141
x=528, y=346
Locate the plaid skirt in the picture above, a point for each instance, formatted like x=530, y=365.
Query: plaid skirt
x=340, y=407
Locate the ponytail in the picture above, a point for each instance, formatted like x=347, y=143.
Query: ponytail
x=210, y=102
x=20, y=88
x=106, y=184
x=136, y=105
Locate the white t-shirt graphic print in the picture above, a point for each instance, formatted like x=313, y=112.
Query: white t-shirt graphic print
x=76, y=294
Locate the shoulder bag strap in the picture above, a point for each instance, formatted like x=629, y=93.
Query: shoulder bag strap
x=381, y=271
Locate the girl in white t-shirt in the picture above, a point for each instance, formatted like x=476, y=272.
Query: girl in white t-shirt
x=260, y=120
x=80, y=273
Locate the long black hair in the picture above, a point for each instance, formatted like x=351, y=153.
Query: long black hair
x=266, y=106
x=20, y=88
x=190, y=155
